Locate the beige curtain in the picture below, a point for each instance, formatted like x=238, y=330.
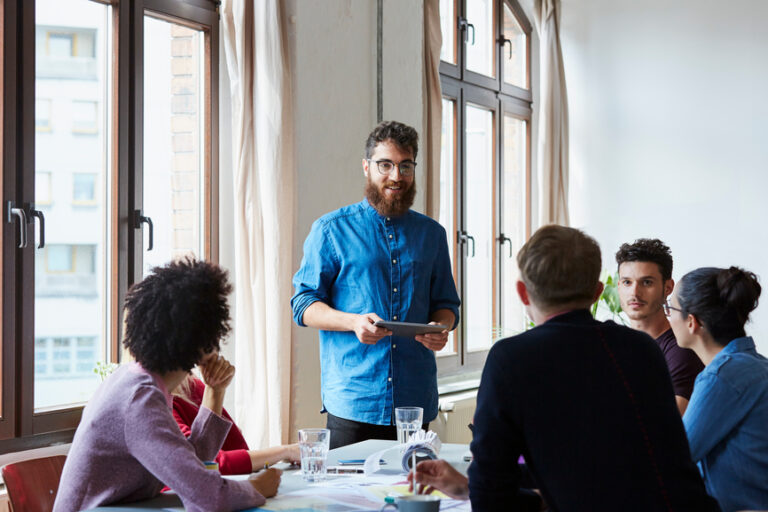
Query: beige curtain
x=264, y=177
x=433, y=107
x=553, y=118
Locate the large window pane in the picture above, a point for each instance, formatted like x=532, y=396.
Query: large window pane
x=513, y=223
x=515, y=57
x=448, y=193
x=71, y=160
x=448, y=28
x=481, y=53
x=173, y=134
x=479, y=291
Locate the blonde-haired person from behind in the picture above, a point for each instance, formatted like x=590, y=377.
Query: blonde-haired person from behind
x=234, y=458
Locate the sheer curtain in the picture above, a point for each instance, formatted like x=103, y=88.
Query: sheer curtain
x=264, y=177
x=433, y=107
x=553, y=118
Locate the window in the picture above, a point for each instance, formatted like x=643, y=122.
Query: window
x=84, y=188
x=43, y=115
x=62, y=300
x=85, y=116
x=174, y=156
x=43, y=188
x=484, y=168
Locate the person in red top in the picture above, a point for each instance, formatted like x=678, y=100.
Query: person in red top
x=234, y=458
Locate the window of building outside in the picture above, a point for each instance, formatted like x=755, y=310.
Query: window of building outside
x=484, y=169
x=79, y=162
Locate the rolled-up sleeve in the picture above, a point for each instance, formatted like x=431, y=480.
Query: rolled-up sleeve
x=442, y=293
x=318, y=271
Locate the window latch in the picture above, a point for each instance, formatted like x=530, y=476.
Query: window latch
x=504, y=239
x=41, y=218
x=13, y=211
x=463, y=238
x=502, y=41
x=138, y=220
x=463, y=26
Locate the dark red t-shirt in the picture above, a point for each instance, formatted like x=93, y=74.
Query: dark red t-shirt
x=683, y=364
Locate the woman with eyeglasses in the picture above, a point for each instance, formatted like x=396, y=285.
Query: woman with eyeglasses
x=727, y=418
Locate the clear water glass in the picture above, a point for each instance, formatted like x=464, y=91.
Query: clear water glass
x=408, y=421
x=313, y=446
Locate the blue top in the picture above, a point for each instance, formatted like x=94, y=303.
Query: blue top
x=358, y=261
x=727, y=426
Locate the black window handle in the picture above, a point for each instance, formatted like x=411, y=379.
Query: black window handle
x=138, y=220
x=502, y=41
x=464, y=25
x=463, y=237
x=41, y=218
x=504, y=239
x=22, y=216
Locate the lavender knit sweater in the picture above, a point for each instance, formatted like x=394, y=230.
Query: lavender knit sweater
x=128, y=445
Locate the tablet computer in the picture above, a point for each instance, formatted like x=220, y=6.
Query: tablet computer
x=409, y=329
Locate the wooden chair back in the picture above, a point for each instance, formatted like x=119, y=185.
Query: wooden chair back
x=32, y=484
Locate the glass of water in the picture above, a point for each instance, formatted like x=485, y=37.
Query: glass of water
x=408, y=421
x=313, y=446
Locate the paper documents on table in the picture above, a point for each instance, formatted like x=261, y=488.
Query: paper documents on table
x=348, y=494
x=424, y=444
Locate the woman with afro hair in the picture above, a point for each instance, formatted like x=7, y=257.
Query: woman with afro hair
x=128, y=445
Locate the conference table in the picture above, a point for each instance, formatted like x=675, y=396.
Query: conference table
x=337, y=493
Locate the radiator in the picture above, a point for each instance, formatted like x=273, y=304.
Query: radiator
x=455, y=413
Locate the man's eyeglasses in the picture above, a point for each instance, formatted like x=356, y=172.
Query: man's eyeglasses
x=668, y=309
x=385, y=167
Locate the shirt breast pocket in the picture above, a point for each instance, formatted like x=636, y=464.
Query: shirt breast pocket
x=349, y=299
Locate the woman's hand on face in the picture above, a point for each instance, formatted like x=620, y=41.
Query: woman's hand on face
x=217, y=373
x=266, y=482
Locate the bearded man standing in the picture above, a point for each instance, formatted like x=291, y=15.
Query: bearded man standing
x=645, y=282
x=370, y=261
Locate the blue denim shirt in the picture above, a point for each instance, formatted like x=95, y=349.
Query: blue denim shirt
x=358, y=261
x=727, y=426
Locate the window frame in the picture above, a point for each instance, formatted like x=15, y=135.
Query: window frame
x=468, y=87
x=21, y=427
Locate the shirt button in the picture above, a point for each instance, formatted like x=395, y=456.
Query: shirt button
x=389, y=379
x=395, y=289
x=394, y=345
x=394, y=317
x=394, y=261
x=390, y=236
x=388, y=218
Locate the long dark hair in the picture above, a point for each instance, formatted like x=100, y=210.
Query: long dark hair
x=720, y=298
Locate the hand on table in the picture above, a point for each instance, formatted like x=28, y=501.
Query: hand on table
x=433, y=340
x=438, y=474
x=292, y=454
x=266, y=482
x=366, y=332
x=217, y=373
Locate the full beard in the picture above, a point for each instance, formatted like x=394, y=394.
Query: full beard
x=394, y=207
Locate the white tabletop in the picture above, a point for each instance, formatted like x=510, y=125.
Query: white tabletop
x=292, y=480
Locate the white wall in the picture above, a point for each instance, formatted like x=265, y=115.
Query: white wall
x=668, y=114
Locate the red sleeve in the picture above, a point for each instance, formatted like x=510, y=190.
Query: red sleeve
x=234, y=462
x=233, y=459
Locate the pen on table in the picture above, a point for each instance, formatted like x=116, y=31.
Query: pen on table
x=345, y=471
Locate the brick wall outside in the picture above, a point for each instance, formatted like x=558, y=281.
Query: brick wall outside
x=185, y=131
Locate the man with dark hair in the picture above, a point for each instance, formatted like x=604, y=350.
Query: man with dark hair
x=370, y=261
x=645, y=282
x=588, y=404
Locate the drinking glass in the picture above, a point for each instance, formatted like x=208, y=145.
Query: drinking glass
x=313, y=446
x=408, y=421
